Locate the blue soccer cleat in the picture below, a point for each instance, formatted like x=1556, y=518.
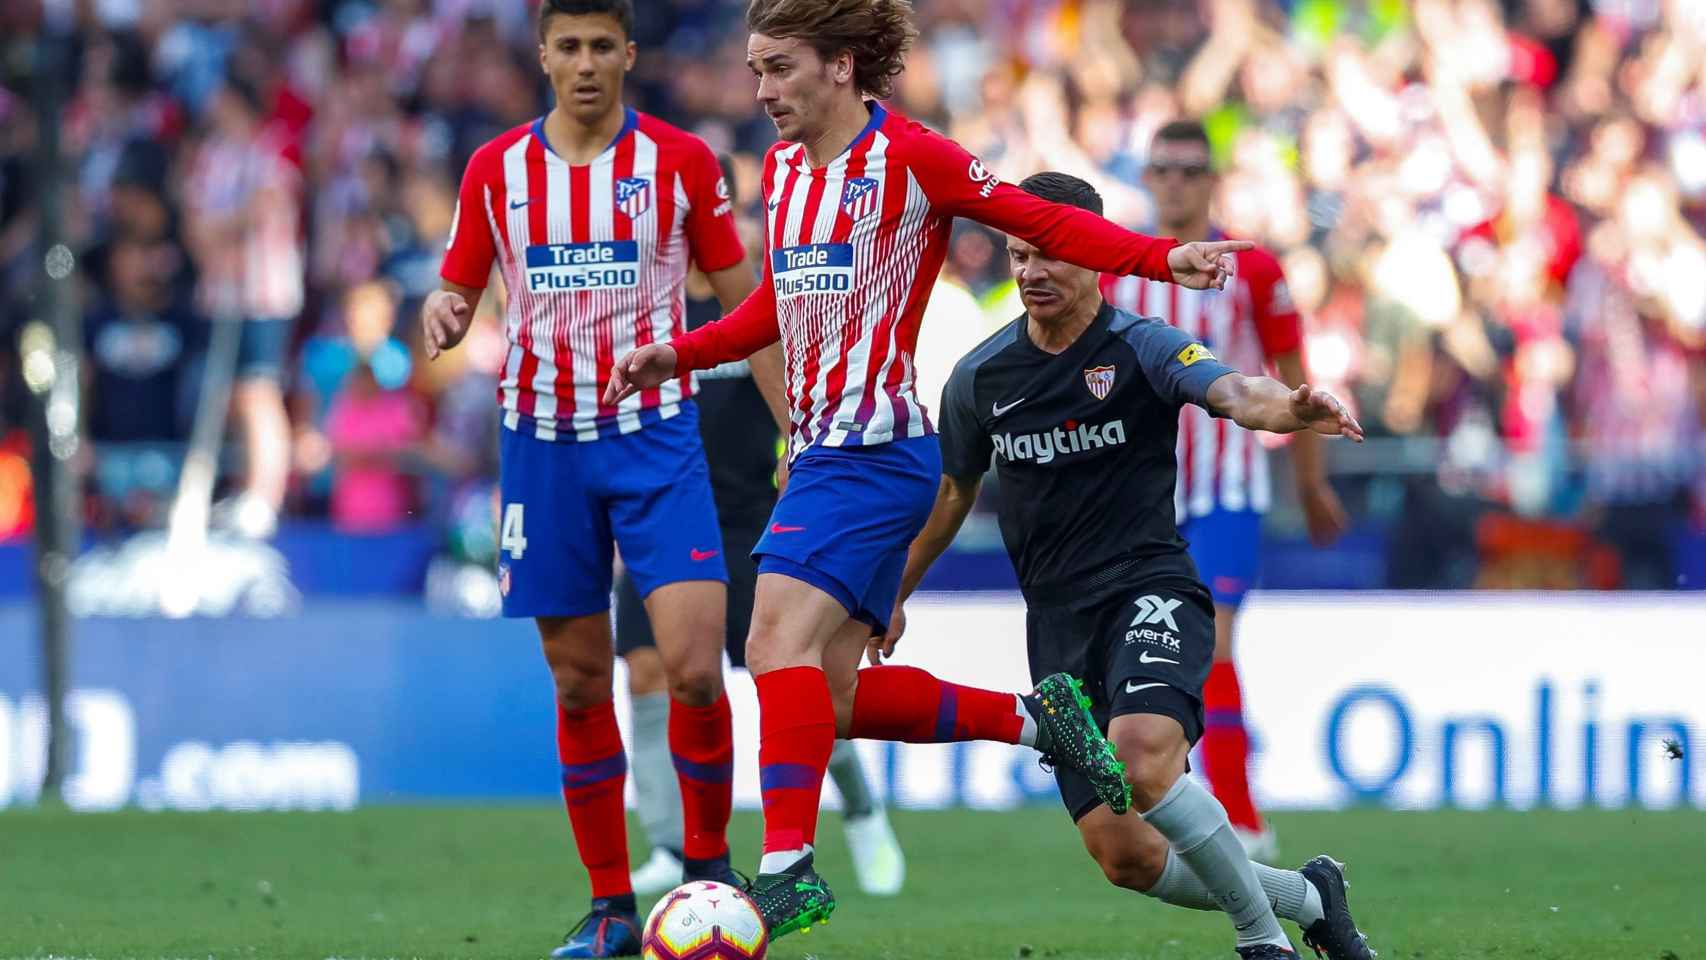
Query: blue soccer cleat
x=606, y=931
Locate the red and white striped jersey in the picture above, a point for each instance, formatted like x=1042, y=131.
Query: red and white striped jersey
x=594, y=259
x=1246, y=325
x=852, y=251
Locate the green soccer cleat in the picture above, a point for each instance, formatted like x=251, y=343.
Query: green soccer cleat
x=794, y=899
x=1068, y=735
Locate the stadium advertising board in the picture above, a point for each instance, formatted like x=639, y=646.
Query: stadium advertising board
x=1404, y=701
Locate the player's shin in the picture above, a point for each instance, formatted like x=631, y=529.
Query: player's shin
x=1196, y=827
x=702, y=747
x=912, y=706
x=796, y=723
x=594, y=773
x=1293, y=898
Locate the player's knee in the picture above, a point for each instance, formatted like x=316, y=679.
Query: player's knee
x=1154, y=755
x=696, y=684
x=581, y=669
x=1128, y=865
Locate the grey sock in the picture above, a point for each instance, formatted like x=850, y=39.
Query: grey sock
x=655, y=787
x=848, y=773
x=1293, y=898
x=1195, y=824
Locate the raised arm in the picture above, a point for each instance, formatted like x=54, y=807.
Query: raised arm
x=959, y=185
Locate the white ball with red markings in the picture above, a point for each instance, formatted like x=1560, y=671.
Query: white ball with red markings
x=704, y=920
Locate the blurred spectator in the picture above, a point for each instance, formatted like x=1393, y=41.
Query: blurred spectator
x=1490, y=210
x=242, y=201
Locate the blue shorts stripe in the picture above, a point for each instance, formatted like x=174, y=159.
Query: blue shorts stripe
x=704, y=772
x=788, y=776
x=947, y=714
x=577, y=775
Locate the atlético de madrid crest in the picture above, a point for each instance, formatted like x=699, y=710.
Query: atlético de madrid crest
x=633, y=196
x=859, y=197
x=1100, y=380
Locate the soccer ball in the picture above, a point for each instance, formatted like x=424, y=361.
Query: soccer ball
x=704, y=920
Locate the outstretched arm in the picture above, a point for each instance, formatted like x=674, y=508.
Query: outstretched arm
x=954, y=499
x=1263, y=403
x=959, y=185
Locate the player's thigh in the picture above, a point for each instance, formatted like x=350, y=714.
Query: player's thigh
x=687, y=622
x=554, y=544
x=793, y=622
x=657, y=491
x=578, y=650
x=1130, y=852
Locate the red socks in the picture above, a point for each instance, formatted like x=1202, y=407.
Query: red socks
x=701, y=742
x=912, y=706
x=1226, y=748
x=594, y=771
x=796, y=731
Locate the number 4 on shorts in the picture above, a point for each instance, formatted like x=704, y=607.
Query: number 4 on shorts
x=512, y=537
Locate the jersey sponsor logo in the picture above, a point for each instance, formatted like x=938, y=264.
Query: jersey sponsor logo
x=859, y=198
x=633, y=196
x=812, y=268
x=567, y=267
x=1153, y=609
x=723, y=188
x=1100, y=380
x=1165, y=639
x=1071, y=438
x=1194, y=352
x=980, y=174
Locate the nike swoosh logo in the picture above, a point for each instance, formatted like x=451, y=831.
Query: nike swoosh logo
x=778, y=528
x=1134, y=687
x=517, y=206
x=1144, y=657
x=773, y=204
x=997, y=409
x=700, y=556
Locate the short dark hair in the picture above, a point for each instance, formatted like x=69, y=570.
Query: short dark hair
x=876, y=32
x=1184, y=131
x=622, y=10
x=1063, y=188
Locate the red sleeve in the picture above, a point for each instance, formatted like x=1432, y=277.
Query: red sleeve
x=959, y=185
x=711, y=234
x=746, y=330
x=1278, y=325
x=469, y=254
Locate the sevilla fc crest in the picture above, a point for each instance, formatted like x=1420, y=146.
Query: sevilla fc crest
x=633, y=196
x=1100, y=380
x=859, y=197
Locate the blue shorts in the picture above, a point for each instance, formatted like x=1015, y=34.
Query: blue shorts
x=564, y=503
x=847, y=517
x=1226, y=547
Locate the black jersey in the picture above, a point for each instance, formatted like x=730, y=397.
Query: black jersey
x=1083, y=446
x=741, y=439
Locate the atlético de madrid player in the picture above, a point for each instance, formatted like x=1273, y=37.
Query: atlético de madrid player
x=592, y=214
x=860, y=203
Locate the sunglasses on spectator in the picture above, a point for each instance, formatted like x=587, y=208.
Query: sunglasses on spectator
x=1190, y=170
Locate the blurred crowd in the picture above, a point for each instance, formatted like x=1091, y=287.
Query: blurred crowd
x=1490, y=213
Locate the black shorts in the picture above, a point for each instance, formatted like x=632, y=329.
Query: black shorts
x=1145, y=647
x=634, y=630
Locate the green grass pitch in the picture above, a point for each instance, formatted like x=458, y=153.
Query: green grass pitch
x=501, y=882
